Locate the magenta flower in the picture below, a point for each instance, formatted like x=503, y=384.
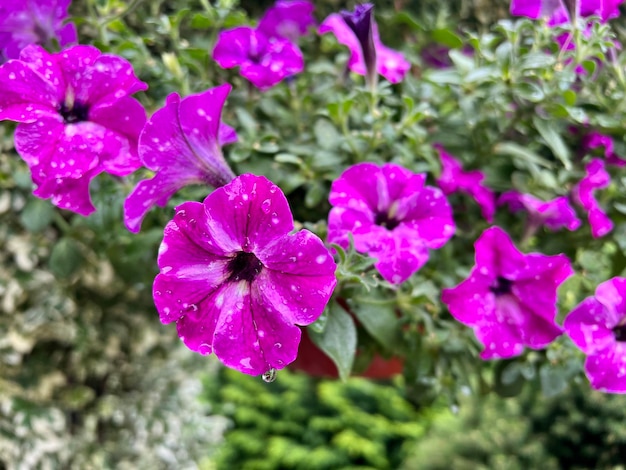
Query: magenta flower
x=453, y=179
x=555, y=214
x=236, y=280
x=262, y=60
x=598, y=327
x=595, y=140
x=509, y=298
x=287, y=19
x=596, y=177
x=76, y=119
x=355, y=30
x=181, y=143
x=557, y=12
x=26, y=22
x=391, y=215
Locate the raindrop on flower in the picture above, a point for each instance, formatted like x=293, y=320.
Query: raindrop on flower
x=269, y=376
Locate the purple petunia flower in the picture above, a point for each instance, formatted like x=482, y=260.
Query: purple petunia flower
x=509, y=298
x=359, y=32
x=287, y=19
x=181, y=143
x=453, y=179
x=76, y=119
x=598, y=327
x=554, y=214
x=596, y=177
x=262, y=60
x=236, y=281
x=595, y=140
x=391, y=215
x=557, y=11
x=26, y=22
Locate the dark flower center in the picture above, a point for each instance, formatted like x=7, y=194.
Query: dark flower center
x=244, y=267
x=75, y=113
x=620, y=333
x=383, y=219
x=501, y=286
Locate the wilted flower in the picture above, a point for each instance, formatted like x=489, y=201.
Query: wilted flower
x=554, y=214
x=598, y=327
x=181, y=143
x=26, y=22
x=453, y=179
x=262, y=60
x=509, y=298
x=391, y=215
x=596, y=177
x=595, y=140
x=287, y=19
x=76, y=119
x=557, y=12
x=236, y=281
x=358, y=31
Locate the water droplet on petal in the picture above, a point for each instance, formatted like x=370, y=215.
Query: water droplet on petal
x=265, y=206
x=204, y=349
x=269, y=376
x=278, y=345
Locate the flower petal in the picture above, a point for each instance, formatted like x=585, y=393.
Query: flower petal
x=250, y=210
x=590, y=325
x=606, y=369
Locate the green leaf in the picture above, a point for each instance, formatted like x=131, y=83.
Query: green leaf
x=326, y=134
x=553, y=380
x=537, y=60
x=554, y=141
x=65, y=258
x=379, y=320
x=530, y=91
x=447, y=38
x=521, y=153
x=338, y=340
x=508, y=380
x=37, y=215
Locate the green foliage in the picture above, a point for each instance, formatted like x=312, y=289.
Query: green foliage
x=296, y=422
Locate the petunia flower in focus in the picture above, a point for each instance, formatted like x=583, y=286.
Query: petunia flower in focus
x=555, y=214
x=596, y=177
x=76, y=117
x=453, y=179
x=598, y=327
x=509, y=298
x=26, y=22
x=596, y=140
x=236, y=280
x=287, y=19
x=391, y=215
x=557, y=12
x=181, y=143
x=262, y=60
x=368, y=55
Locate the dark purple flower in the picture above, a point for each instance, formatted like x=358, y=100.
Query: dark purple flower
x=236, y=280
x=76, y=117
x=182, y=144
x=595, y=140
x=560, y=11
x=555, y=214
x=391, y=215
x=25, y=22
x=596, y=177
x=262, y=60
x=453, y=179
x=509, y=298
x=598, y=327
x=287, y=19
x=389, y=63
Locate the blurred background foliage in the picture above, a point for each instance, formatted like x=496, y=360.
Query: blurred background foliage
x=89, y=378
